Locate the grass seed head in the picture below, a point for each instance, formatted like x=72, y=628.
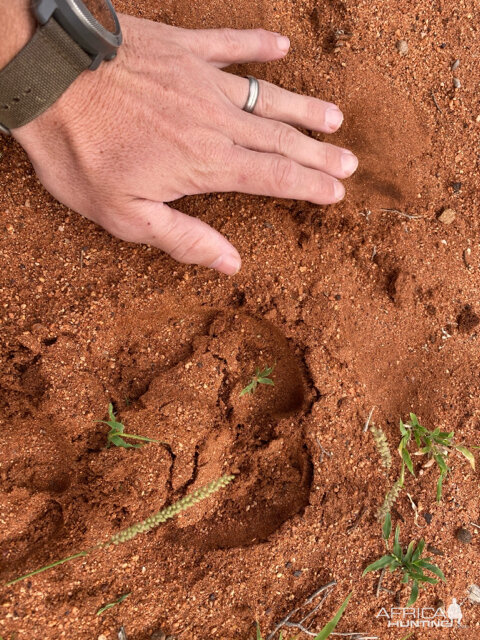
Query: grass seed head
x=381, y=443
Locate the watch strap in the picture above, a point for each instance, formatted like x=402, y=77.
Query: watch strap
x=39, y=74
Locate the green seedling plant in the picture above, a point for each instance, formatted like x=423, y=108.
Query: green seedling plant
x=410, y=563
x=145, y=526
x=435, y=444
x=117, y=433
x=260, y=377
x=328, y=629
x=112, y=604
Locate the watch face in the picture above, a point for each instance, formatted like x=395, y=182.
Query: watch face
x=102, y=11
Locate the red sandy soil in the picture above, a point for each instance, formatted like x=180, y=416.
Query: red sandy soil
x=359, y=307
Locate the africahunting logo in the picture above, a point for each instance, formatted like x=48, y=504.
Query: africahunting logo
x=425, y=617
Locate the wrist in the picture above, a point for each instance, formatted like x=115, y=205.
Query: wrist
x=17, y=26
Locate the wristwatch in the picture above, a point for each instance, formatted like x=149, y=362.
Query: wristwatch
x=72, y=36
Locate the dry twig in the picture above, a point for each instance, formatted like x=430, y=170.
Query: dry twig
x=324, y=452
x=286, y=621
x=415, y=511
x=435, y=101
x=380, y=587
x=300, y=625
x=367, y=423
x=402, y=213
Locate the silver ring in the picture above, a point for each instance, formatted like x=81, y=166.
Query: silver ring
x=253, y=93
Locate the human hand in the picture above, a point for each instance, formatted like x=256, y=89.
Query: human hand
x=163, y=121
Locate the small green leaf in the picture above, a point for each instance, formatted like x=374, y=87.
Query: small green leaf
x=381, y=563
x=409, y=553
x=112, y=604
x=445, y=436
x=260, y=377
x=425, y=578
x=116, y=434
x=118, y=442
x=439, y=488
x=397, y=549
x=433, y=568
x=418, y=551
x=414, y=420
x=468, y=454
x=440, y=460
x=266, y=381
x=266, y=372
x=413, y=594
x=250, y=388
x=330, y=626
x=406, y=456
x=259, y=635
x=387, y=526
x=417, y=434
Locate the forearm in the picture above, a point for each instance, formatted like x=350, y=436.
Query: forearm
x=17, y=26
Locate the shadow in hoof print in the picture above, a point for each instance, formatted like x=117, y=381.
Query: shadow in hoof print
x=197, y=407
x=176, y=377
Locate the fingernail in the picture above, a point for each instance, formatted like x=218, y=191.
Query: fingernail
x=283, y=43
x=229, y=264
x=349, y=163
x=339, y=191
x=333, y=118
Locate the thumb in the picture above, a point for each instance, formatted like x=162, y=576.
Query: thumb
x=184, y=238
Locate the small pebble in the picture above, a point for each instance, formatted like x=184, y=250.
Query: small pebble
x=402, y=47
x=297, y=573
x=212, y=597
x=447, y=216
x=456, y=83
x=288, y=565
x=457, y=187
x=428, y=517
x=463, y=535
x=455, y=65
x=474, y=593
